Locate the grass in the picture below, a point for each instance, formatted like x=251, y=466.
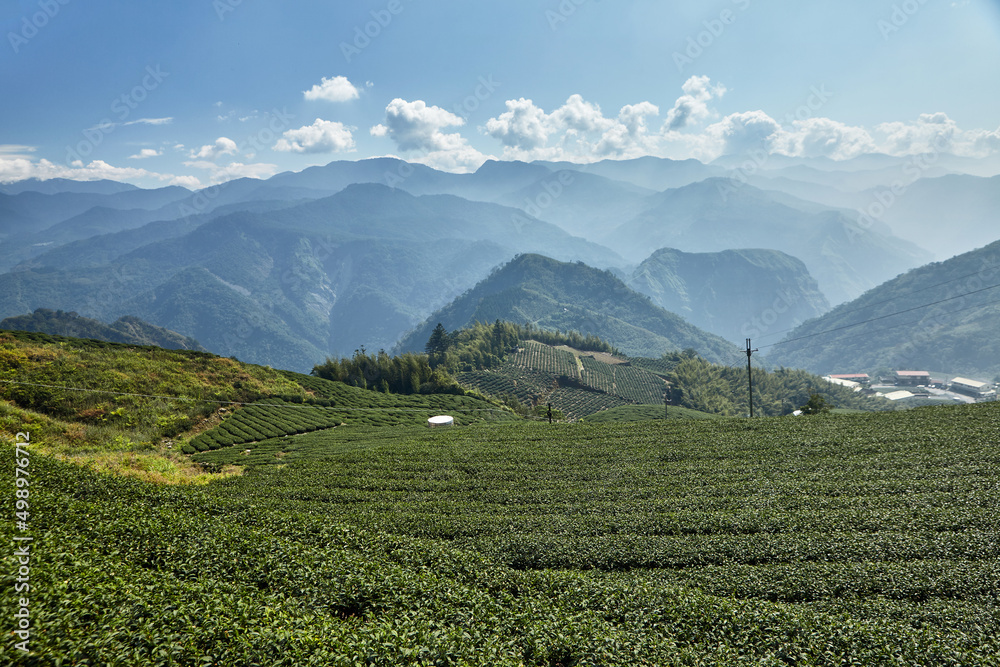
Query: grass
x=142, y=406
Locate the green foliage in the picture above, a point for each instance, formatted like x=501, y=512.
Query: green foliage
x=817, y=405
x=722, y=390
x=864, y=539
x=574, y=339
x=476, y=347
x=403, y=374
x=538, y=373
x=139, y=393
x=638, y=413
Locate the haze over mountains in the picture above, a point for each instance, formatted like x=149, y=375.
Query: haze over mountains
x=288, y=270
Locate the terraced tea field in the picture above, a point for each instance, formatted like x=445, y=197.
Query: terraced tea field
x=577, y=384
x=859, y=539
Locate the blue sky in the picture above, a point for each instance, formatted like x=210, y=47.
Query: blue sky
x=195, y=92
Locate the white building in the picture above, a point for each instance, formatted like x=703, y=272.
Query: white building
x=972, y=388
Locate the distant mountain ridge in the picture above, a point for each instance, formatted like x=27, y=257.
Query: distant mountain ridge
x=129, y=330
x=845, y=258
x=290, y=285
x=735, y=294
x=302, y=265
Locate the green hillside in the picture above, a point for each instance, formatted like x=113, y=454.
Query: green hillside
x=135, y=409
x=942, y=316
x=572, y=296
x=834, y=540
x=129, y=330
x=575, y=383
x=580, y=383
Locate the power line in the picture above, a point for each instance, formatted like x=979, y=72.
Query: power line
x=888, y=328
x=883, y=317
x=884, y=301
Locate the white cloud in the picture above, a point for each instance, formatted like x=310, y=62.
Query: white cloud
x=741, y=132
x=15, y=150
x=692, y=106
x=633, y=116
x=823, y=137
x=323, y=136
x=462, y=159
x=416, y=126
x=146, y=153
x=985, y=142
x=222, y=173
x=337, y=89
x=222, y=146
x=189, y=182
x=523, y=126
x=578, y=130
x=20, y=168
x=930, y=133
x=578, y=115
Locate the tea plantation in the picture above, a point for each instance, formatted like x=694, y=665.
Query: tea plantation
x=835, y=540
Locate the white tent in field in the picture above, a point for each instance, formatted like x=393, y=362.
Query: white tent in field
x=443, y=420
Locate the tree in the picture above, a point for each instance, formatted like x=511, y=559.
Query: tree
x=438, y=341
x=817, y=405
x=437, y=345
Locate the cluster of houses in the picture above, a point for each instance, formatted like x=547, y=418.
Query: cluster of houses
x=982, y=391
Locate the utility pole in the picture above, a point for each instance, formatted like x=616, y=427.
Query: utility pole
x=666, y=403
x=750, y=375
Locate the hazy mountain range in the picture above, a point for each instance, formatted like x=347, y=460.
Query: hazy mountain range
x=303, y=265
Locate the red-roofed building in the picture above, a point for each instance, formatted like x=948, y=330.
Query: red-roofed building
x=912, y=378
